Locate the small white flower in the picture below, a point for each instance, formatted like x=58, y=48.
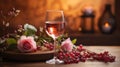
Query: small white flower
x=30, y=27
x=18, y=11
x=7, y=24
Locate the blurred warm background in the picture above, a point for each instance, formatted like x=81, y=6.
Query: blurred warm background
x=33, y=12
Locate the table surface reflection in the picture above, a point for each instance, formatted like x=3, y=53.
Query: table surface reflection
x=114, y=50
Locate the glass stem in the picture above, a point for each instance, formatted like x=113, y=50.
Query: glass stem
x=55, y=49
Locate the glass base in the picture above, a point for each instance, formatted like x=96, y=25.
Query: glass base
x=54, y=61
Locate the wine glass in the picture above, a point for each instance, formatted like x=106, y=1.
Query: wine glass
x=55, y=27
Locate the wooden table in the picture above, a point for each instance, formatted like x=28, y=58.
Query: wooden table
x=114, y=50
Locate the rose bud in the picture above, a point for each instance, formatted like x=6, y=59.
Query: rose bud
x=67, y=45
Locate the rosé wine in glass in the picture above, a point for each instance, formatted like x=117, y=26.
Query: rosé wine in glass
x=54, y=27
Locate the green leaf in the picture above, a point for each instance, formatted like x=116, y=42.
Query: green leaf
x=11, y=41
x=74, y=41
x=12, y=47
x=59, y=38
x=29, y=32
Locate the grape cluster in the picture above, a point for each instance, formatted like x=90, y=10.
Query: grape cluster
x=49, y=46
x=68, y=57
x=105, y=57
x=81, y=54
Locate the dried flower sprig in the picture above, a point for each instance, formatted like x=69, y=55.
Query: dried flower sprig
x=7, y=17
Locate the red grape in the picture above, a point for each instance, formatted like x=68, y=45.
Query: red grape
x=49, y=46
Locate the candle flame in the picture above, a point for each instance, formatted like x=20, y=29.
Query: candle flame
x=80, y=29
x=107, y=24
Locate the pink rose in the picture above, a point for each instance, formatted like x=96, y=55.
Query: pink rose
x=27, y=44
x=67, y=45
